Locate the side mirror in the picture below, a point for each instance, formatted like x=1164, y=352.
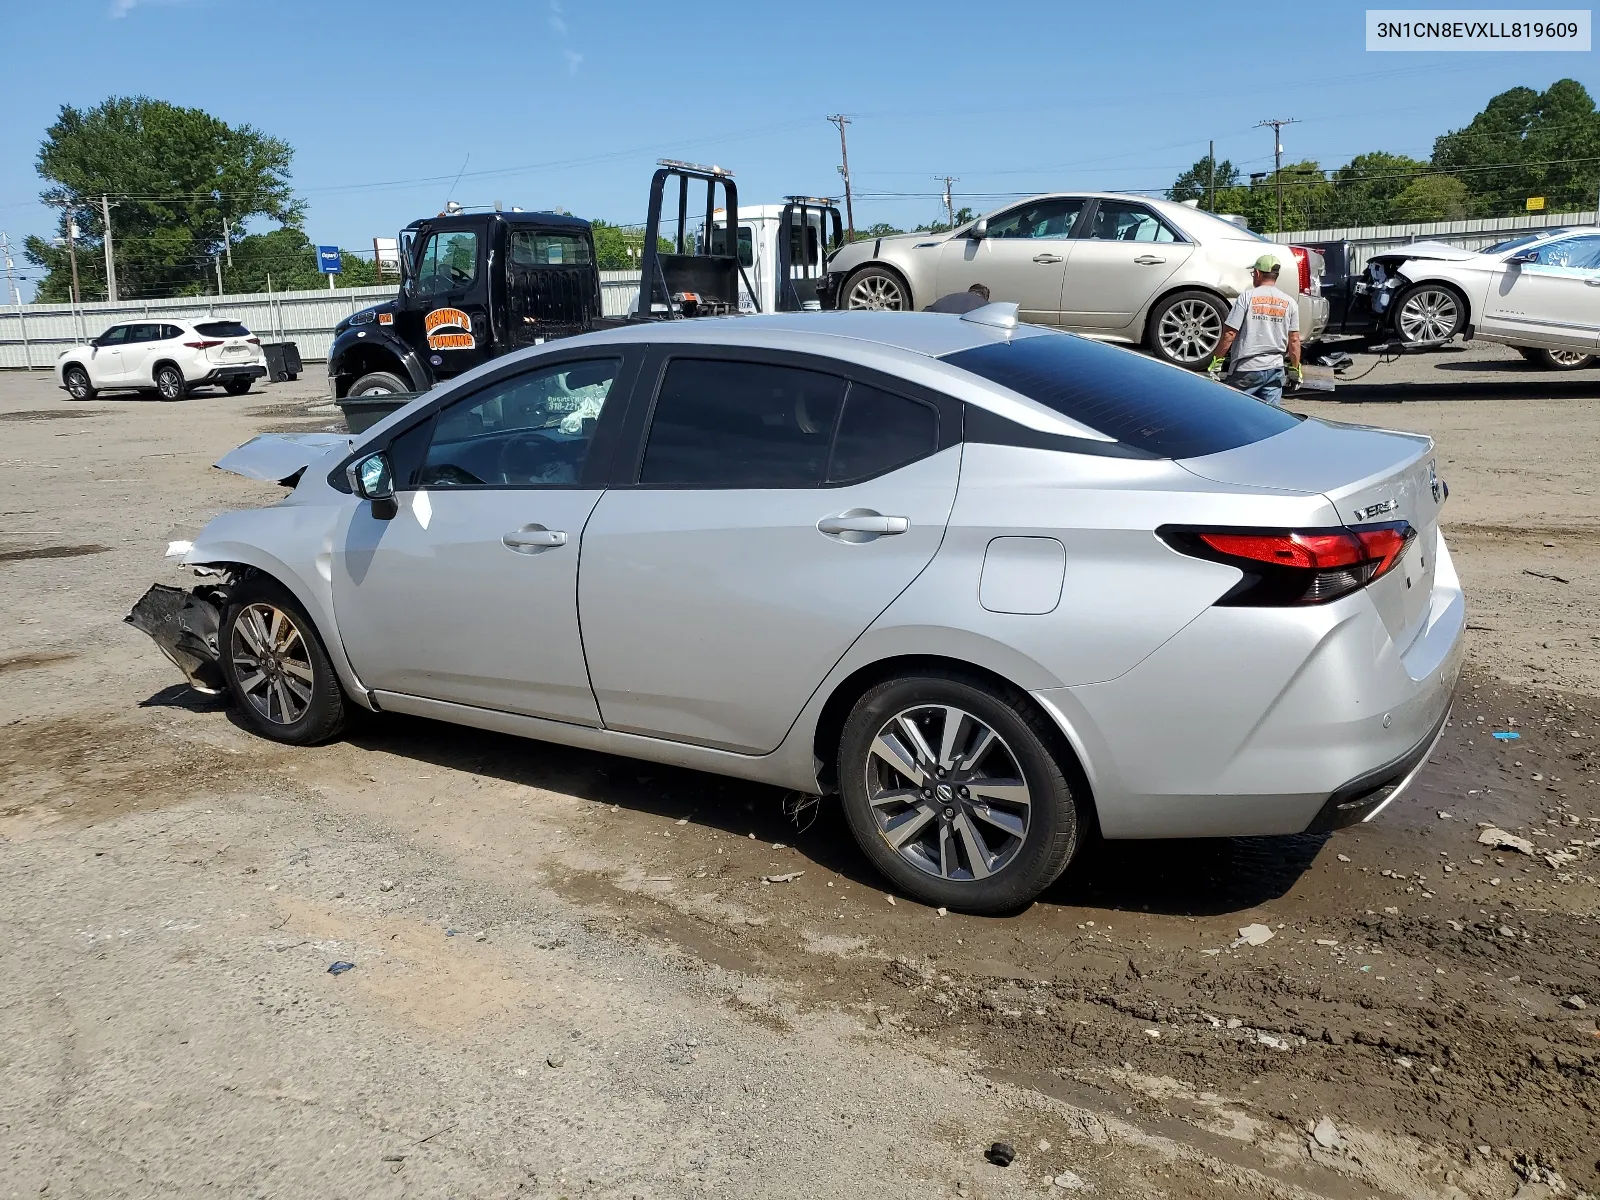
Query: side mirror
x=371, y=479
x=1526, y=256
x=979, y=230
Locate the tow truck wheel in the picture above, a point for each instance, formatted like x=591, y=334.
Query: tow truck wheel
x=378, y=383
x=876, y=288
x=1429, y=312
x=1558, y=360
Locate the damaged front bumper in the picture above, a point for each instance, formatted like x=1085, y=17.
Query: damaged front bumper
x=185, y=625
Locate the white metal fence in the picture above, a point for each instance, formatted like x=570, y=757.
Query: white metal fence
x=33, y=335
x=1369, y=240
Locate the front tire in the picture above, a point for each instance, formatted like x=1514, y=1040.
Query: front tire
x=378, y=383
x=277, y=668
x=876, y=289
x=1429, y=312
x=1185, y=329
x=76, y=380
x=953, y=789
x=170, y=383
x=1558, y=360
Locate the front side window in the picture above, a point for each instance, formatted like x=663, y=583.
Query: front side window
x=1038, y=219
x=747, y=243
x=724, y=424
x=531, y=430
x=449, y=262
x=1117, y=221
x=539, y=248
x=1146, y=406
x=1577, y=254
x=115, y=336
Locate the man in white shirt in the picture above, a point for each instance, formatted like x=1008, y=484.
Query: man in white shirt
x=1263, y=331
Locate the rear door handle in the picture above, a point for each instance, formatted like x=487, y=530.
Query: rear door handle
x=1149, y=260
x=534, y=537
x=1592, y=282
x=1048, y=258
x=861, y=525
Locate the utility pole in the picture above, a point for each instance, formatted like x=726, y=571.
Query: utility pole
x=16, y=298
x=227, y=242
x=1211, y=176
x=72, y=246
x=217, y=258
x=949, y=206
x=111, y=263
x=841, y=121
x=1277, y=125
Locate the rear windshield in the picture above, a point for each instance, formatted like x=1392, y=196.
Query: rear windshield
x=221, y=329
x=1143, y=404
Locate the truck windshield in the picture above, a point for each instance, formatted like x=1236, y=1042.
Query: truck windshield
x=540, y=248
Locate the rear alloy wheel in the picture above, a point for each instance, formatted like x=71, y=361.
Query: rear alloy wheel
x=277, y=668
x=77, y=383
x=237, y=387
x=1186, y=328
x=377, y=383
x=953, y=790
x=876, y=289
x=1559, y=360
x=1429, y=312
x=170, y=383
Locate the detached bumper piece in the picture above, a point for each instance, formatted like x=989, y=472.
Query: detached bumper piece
x=1366, y=795
x=185, y=627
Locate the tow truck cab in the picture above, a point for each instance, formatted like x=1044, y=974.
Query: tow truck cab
x=473, y=286
x=777, y=242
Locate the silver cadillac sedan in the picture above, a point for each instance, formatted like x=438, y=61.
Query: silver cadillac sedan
x=996, y=586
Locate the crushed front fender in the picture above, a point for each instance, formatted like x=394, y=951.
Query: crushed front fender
x=185, y=625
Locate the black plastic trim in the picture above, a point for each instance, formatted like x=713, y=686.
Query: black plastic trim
x=1350, y=804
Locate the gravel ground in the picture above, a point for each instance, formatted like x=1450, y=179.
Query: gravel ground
x=570, y=980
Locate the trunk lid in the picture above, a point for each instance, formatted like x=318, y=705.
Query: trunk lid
x=1370, y=476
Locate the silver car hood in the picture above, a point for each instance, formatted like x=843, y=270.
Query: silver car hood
x=280, y=457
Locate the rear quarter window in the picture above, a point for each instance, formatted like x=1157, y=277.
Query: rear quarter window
x=1146, y=406
x=223, y=329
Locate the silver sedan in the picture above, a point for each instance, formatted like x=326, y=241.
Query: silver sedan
x=992, y=585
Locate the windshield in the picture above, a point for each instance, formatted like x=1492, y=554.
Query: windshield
x=1526, y=239
x=1146, y=405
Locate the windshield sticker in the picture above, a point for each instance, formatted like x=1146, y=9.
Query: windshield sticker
x=449, y=329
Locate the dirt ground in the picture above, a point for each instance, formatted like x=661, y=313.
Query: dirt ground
x=570, y=980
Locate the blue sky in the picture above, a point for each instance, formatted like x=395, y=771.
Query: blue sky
x=568, y=103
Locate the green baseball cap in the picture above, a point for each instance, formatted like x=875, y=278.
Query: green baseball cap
x=1268, y=264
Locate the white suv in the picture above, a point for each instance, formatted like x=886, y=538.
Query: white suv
x=169, y=357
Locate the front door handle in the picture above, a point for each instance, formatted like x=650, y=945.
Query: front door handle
x=1048, y=258
x=862, y=525
x=1592, y=282
x=1149, y=260
x=533, y=537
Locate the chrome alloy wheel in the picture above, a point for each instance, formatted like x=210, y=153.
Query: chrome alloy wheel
x=958, y=812
x=875, y=292
x=1429, y=314
x=1569, y=358
x=271, y=663
x=1189, y=331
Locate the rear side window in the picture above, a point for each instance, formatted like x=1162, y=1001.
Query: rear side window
x=222, y=329
x=741, y=425
x=1145, y=405
x=880, y=432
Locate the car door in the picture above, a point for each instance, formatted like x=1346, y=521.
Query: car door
x=139, y=351
x=1553, y=301
x=448, y=306
x=777, y=505
x=1122, y=258
x=105, y=357
x=1021, y=259
x=469, y=593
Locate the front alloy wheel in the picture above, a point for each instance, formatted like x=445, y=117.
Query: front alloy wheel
x=1428, y=314
x=272, y=663
x=877, y=290
x=947, y=793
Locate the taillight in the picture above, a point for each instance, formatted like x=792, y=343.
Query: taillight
x=254, y=341
x=1303, y=257
x=1284, y=567
x=201, y=345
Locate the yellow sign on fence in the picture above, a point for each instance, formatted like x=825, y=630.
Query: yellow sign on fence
x=1535, y=203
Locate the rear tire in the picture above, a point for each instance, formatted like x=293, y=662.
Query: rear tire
x=876, y=289
x=237, y=387
x=277, y=669
x=989, y=833
x=378, y=383
x=170, y=382
x=1428, y=312
x=1559, y=360
x=1185, y=329
x=76, y=381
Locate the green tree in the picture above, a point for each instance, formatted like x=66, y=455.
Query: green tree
x=1365, y=188
x=288, y=256
x=1431, y=198
x=881, y=229
x=1192, y=183
x=1527, y=143
x=963, y=215
x=175, y=174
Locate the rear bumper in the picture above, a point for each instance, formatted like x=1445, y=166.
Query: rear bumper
x=223, y=374
x=1255, y=722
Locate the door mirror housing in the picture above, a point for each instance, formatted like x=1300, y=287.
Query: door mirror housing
x=979, y=230
x=372, y=479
